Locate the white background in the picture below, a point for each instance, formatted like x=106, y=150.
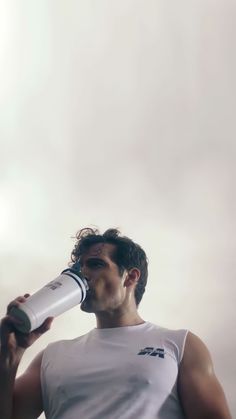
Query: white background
x=122, y=114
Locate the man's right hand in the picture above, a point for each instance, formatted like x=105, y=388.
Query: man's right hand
x=14, y=342
x=19, y=398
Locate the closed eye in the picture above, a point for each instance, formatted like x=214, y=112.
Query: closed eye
x=94, y=263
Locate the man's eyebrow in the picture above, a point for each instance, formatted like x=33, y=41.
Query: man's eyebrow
x=92, y=259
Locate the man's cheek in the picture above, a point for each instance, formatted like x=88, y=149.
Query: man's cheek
x=100, y=287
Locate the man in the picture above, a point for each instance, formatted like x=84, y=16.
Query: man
x=125, y=368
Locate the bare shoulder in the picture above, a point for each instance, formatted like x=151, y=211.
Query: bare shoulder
x=27, y=402
x=200, y=391
x=196, y=354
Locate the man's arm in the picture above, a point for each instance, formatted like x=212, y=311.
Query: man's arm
x=21, y=398
x=27, y=395
x=200, y=392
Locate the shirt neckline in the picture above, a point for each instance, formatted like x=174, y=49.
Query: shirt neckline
x=111, y=330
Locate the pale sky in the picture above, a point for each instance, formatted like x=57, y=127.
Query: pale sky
x=122, y=114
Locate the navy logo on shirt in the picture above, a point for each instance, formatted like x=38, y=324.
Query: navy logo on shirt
x=152, y=352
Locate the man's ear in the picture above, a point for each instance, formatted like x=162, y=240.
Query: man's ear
x=132, y=277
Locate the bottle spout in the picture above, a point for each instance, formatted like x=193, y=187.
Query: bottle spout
x=76, y=267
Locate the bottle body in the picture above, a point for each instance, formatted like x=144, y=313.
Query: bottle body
x=64, y=292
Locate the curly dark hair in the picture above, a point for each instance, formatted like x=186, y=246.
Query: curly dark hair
x=127, y=254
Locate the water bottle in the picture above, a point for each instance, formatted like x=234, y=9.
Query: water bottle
x=64, y=292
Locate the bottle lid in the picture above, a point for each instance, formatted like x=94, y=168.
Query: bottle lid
x=19, y=314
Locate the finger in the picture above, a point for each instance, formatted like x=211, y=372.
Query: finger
x=13, y=302
x=8, y=320
x=16, y=302
x=8, y=325
x=6, y=328
x=44, y=327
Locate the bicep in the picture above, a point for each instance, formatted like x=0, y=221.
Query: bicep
x=202, y=397
x=27, y=398
x=200, y=392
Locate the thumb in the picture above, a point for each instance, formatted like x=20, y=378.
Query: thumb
x=44, y=327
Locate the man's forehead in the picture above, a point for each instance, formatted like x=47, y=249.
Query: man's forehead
x=99, y=249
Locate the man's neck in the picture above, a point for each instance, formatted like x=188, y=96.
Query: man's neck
x=107, y=320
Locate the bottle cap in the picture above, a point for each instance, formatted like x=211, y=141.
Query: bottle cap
x=23, y=316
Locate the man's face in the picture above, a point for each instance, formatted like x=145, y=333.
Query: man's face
x=107, y=290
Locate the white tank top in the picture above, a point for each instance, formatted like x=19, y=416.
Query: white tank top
x=116, y=373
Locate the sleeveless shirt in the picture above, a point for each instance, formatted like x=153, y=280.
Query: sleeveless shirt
x=115, y=373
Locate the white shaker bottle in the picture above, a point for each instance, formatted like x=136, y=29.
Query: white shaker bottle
x=56, y=297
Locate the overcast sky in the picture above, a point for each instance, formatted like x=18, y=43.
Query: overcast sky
x=122, y=114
